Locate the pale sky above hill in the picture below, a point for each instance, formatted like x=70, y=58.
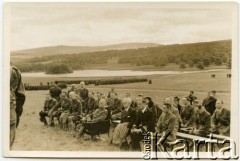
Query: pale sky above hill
x=38, y=25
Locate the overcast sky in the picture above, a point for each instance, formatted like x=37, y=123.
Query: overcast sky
x=85, y=25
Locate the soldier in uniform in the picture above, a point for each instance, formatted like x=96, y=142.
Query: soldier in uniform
x=176, y=104
x=221, y=119
x=98, y=115
x=154, y=108
x=202, y=122
x=115, y=106
x=90, y=104
x=187, y=114
x=192, y=97
x=75, y=110
x=60, y=110
x=144, y=124
x=17, y=100
x=167, y=123
x=83, y=93
x=210, y=102
x=48, y=104
x=55, y=91
x=174, y=109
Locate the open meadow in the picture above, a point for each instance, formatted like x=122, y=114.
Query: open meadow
x=33, y=136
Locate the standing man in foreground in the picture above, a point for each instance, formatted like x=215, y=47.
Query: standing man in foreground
x=17, y=99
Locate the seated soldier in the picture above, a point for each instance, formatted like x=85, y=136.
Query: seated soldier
x=115, y=106
x=221, y=119
x=55, y=91
x=154, y=108
x=187, y=114
x=144, y=124
x=98, y=115
x=127, y=120
x=202, y=122
x=60, y=110
x=167, y=123
x=48, y=104
x=75, y=110
x=90, y=104
x=82, y=91
x=175, y=112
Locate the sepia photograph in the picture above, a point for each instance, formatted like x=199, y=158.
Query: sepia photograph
x=146, y=80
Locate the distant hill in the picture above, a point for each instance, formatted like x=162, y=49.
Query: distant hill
x=63, y=49
x=199, y=55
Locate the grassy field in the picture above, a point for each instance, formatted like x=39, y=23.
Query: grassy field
x=32, y=135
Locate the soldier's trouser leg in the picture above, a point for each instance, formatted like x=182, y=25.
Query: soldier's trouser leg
x=51, y=121
x=12, y=124
x=135, y=141
x=64, y=119
x=42, y=115
x=71, y=125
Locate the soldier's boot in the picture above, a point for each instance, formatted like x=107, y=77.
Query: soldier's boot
x=44, y=121
x=51, y=124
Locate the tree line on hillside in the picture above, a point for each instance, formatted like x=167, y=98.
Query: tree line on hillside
x=199, y=55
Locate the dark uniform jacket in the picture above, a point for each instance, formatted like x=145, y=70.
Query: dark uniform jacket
x=91, y=105
x=75, y=108
x=221, y=118
x=55, y=92
x=129, y=116
x=17, y=92
x=49, y=104
x=187, y=115
x=155, y=110
x=145, y=121
x=115, y=105
x=83, y=93
x=210, y=104
x=63, y=104
x=203, y=123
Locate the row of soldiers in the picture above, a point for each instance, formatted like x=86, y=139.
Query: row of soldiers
x=137, y=116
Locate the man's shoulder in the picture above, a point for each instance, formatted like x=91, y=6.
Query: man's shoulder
x=225, y=110
x=53, y=100
x=15, y=68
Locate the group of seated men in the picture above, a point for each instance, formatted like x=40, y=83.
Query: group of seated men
x=135, y=117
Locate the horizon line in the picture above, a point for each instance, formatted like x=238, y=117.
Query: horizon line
x=164, y=44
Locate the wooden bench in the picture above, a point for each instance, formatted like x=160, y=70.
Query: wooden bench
x=189, y=136
x=220, y=137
